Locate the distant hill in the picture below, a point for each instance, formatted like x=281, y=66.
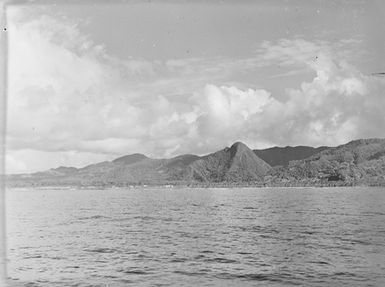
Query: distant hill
x=283, y=155
x=358, y=162
x=130, y=159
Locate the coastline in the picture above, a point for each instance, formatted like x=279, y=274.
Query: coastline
x=138, y=187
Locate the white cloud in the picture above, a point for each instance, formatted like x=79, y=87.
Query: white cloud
x=70, y=103
x=225, y=112
x=338, y=105
x=332, y=107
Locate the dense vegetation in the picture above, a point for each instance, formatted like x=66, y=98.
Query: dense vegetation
x=360, y=162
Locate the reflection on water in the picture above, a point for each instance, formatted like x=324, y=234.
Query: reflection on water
x=197, y=237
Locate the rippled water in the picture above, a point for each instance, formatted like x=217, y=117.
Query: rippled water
x=197, y=237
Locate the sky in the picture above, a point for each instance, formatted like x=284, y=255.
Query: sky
x=90, y=81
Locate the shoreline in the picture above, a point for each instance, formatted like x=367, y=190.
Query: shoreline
x=74, y=188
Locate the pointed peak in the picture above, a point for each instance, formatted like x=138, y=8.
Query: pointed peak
x=239, y=146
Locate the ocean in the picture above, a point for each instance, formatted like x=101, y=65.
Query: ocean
x=196, y=237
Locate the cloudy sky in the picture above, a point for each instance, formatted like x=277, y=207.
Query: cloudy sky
x=93, y=81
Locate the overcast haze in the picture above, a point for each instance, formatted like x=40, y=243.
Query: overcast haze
x=89, y=83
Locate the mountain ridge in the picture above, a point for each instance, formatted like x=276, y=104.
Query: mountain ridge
x=356, y=162
x=276, y=156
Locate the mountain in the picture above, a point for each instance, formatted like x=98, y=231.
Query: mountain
x=359, y=162
x=176, y=167
x=130, y=159
x=62, y=171
x=235, y=164
x=283, y=155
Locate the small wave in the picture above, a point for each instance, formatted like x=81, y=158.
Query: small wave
x=320, y=262
x=251, y=277
x=205, y=270
x=310, y=232
x=91, y=217
x=110, y=276
x=31, y=284
x=207, y=251
x=349, y=274
x=362, y=242
x=56, y=257
x=101, y=250
x=257, y=277
x=178, y=260
x=126, y=281
x=189, y=273
x=221, y=260
x=167, y=219
x=32, y=256
x=257, y=228
x=145, y=217
x=135, y=272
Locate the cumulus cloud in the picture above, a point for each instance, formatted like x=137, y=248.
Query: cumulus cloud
x=332, y=108
x=225, y=114
x=68, y=96
x=339, y=104
x=71, y=103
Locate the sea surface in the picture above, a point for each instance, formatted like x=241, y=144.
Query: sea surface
x=196, y=237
